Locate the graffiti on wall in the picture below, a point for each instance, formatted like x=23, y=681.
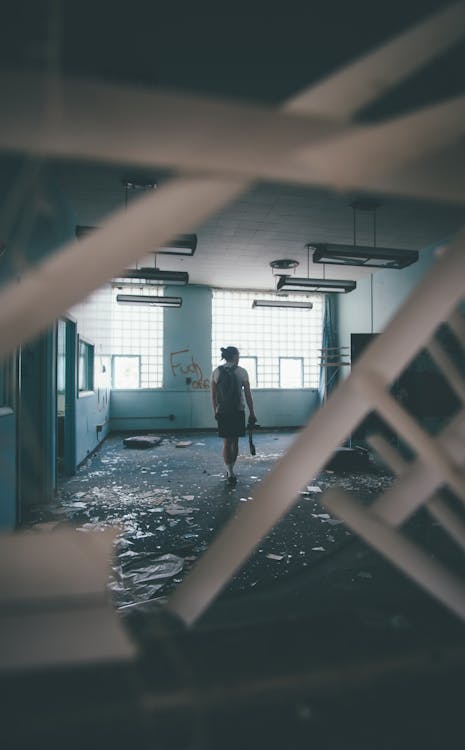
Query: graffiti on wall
x=183, y=363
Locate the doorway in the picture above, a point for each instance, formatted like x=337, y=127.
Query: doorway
x=65, y=398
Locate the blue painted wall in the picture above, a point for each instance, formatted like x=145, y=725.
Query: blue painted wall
x=40, y=222
x=187, y=340
x=390, y=289
x=92, y=421
x=141, y=410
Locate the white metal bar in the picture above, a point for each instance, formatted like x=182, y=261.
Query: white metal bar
x=457, y=323
x=243, y=141
x=401, y=552
x=448, y=368
x=361, y=157
x=407, y=494
x=343, y=94
x=390, y=455
x=436, y=461
x=432, y=300
x=448, y=518
x=273, y=497
x=67, y=276
x=438, y=508
x=417, y=481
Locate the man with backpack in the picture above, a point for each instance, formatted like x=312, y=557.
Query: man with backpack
x=229, y=385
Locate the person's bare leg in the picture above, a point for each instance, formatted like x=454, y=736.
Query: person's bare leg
x=230, y=451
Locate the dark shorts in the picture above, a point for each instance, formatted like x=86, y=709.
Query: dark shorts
x=231, y=425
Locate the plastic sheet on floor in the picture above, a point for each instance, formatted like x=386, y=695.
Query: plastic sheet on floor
x=140, y=577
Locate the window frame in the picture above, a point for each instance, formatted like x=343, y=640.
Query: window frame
x=8, y=370
x=88, y=367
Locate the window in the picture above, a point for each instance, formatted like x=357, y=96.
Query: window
x=86, y=366
x=291, y=371
x=125, y=371
x=250, y=364
x=268, y=335
x=125, y=331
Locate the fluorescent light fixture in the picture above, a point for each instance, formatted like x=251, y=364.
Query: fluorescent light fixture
x=282, y=303
x=185, y=244
x=149, y=299
x=296, y=284
x=155, y=275
x=361, y=255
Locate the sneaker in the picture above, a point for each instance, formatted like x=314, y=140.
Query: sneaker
x=231, y=480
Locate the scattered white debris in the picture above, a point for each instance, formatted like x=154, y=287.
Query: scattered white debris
x=313, y=488
x=174, y=510
x=318, y=549
x=270, y=556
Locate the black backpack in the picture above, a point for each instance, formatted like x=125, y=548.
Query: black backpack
x=228, y=390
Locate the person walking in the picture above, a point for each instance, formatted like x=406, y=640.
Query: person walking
x=229, y=385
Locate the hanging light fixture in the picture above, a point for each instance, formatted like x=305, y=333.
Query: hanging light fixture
x=184, y=244
x=148, y=299
x=156, y=276
x=363, y=255
x=282, y=303
x=287, y=283
x=313, y=285
x=356, y=255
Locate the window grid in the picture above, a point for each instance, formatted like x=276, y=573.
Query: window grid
x=86, y=366
x=269, y=333
x=122, y=329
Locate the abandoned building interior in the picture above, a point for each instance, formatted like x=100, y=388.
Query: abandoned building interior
x=289, y=182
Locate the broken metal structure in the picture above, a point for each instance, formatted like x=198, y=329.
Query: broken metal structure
x=311, y=140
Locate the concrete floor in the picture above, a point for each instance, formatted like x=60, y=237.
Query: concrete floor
x=169, y=502
x=323, y=644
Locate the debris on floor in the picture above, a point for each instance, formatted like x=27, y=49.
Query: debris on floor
x=168, y=502
x=141, y=576
x=142, y=441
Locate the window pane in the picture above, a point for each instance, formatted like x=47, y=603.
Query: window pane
x=86, y=366
x=126, y=372
x=250, y=364
x=291, y=372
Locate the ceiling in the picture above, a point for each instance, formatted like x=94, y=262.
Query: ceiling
x=258, y=56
